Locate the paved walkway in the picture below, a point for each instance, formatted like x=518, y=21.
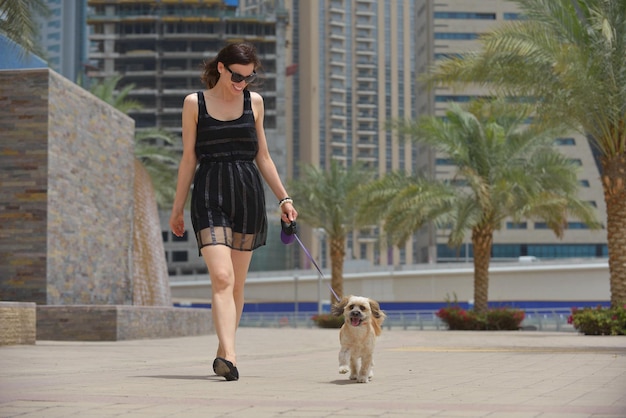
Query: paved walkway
x=293, y=373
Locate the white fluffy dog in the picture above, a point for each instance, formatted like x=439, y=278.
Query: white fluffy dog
x=362, y=324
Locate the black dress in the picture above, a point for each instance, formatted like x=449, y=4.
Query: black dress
x=228, y=201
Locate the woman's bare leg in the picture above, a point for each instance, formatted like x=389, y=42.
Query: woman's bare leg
x=241, y=264
x=227, y=269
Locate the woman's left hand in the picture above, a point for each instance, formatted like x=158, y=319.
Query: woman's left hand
x=289, y=212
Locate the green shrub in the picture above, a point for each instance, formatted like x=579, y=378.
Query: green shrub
x=328, y=320
x=499, y=319
x=505, y=319
x=599, y=320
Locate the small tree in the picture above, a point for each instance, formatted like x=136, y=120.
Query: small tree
x=326, y=199
x=503, y=170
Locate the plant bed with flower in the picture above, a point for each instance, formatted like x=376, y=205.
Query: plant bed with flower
x=328, y=320
x=498, y=319
x=599, y=320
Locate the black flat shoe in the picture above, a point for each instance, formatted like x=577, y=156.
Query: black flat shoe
x=225, y=368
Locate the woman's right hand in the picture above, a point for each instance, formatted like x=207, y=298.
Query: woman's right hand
x=177, y=223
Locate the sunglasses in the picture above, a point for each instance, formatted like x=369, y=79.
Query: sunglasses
x=238, y=78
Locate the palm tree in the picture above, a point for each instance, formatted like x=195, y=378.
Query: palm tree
x=504, y=170
x=107, y=90
x=159, y=161
x=326, y=200
x=570, y=56
x=18, y=24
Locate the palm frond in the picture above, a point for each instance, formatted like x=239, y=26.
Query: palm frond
x=161, y=162
x=568, y=55
x=328, y=198
x=507, y=167
x=404, y=203
x=17, y=22
x=152, y=146
x=106, y=90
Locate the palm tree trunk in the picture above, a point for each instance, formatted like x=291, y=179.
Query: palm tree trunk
x=482, y=240
x=614, y=185
x=337, y=255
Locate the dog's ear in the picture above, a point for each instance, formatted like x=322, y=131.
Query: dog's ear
x=379, y=317
x=337, y=308
x=376, y=311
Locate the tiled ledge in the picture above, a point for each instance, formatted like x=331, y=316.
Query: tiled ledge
x=120, y=322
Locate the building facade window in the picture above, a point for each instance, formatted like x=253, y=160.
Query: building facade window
x=565, y=141
x=516, y=225
x=465, y=15
x=463, y=36
x=179, y=256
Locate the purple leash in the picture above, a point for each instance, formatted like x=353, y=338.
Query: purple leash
x=288, y=232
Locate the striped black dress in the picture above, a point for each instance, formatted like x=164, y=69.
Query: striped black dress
x=227, y=201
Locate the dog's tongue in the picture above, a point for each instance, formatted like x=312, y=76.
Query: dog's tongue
x=355, y=322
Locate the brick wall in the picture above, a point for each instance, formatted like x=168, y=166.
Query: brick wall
x=66, y=193
x=23, y=185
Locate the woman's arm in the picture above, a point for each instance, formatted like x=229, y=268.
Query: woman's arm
x=266, y=164
x=188, y=162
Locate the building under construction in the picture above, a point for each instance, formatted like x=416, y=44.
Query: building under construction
x=159, y=46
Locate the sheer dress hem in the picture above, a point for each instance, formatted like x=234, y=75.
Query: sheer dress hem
x=237, y=241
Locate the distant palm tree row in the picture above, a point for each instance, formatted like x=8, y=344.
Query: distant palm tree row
x=506, y=170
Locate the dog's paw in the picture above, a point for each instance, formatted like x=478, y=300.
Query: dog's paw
x=362, y=379
x=353, y=377
x=343, y=369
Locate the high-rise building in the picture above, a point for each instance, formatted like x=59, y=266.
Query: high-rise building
x=159, y=46
x=354, y=66
x=63, y=37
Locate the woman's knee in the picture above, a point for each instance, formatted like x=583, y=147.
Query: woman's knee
x=220, y=266
x=222, y=280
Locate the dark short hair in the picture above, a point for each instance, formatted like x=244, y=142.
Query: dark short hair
x=234, y=53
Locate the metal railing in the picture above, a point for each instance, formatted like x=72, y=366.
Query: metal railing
x=277, y=319
x=548, y=319
x=545, y=319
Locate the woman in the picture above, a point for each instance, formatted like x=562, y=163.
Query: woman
x=223, y=137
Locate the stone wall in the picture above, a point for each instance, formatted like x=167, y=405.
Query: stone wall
x=72, y=198
x=66, y=193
